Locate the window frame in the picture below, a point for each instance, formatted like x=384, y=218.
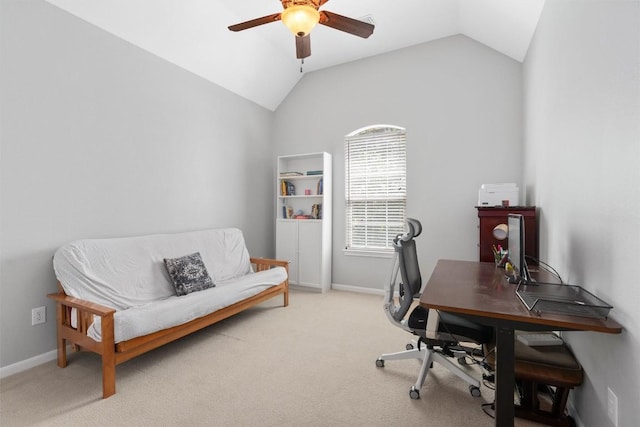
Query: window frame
x=384, y=197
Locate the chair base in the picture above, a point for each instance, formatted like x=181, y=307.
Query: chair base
x=428, y=356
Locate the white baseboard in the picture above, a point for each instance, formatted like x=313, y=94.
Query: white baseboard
x=53, y=354
x=24, y=365
x=358, y=289
x=32, y=362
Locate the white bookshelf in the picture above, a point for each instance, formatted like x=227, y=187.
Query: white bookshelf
x=303, y=235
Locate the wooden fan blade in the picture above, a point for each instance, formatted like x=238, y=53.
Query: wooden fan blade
x=255, y=22
x=322, y=2
x=303, y=46
x=348, y=25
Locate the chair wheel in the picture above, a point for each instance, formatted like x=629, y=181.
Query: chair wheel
x=409, y=346
x=380, y=363
x=414, y=393
x=462, y=361
x=475, y=391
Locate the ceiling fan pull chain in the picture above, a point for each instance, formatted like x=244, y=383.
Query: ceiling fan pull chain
x=301, y=64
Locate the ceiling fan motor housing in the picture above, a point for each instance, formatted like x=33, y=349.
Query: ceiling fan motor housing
x=313, y=3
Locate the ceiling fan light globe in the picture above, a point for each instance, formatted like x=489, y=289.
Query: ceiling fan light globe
x=300, y=19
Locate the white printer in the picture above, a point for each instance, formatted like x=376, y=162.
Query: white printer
x=498, y=195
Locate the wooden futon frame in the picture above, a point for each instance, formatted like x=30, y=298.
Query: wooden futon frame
x=113, y=354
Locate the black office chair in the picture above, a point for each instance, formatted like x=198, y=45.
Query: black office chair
x=441, y=333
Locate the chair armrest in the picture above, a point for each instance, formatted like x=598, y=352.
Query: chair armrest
x=80, y=304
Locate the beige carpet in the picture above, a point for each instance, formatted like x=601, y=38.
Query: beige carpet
x=310, y=364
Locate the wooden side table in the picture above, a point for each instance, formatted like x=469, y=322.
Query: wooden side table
x=492, y=216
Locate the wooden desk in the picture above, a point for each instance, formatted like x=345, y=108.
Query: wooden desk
x=479, y=291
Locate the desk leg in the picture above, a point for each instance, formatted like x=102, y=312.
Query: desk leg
x=505, y=377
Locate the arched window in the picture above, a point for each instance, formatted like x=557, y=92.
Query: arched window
x=375, y=187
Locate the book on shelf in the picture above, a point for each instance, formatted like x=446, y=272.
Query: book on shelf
x=319, y=189
x=287, y=212
x=316, y=211
x=314, y=172
x=287, y=188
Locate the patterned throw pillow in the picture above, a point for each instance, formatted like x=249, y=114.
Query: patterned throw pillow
x=188, y=274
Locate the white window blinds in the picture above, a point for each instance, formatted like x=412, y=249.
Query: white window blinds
x=375, y=192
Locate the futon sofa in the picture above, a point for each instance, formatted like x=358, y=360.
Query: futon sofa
x=122, y=297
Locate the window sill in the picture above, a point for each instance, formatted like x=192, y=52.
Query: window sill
x=368, y=253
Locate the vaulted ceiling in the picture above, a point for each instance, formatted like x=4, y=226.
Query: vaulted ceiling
x=260, y=63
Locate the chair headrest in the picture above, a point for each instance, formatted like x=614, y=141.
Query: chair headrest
x=415, y=228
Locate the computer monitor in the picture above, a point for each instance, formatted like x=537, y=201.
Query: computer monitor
x=515, y=242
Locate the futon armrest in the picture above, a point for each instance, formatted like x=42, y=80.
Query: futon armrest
x=261, y=263
x=80, y=304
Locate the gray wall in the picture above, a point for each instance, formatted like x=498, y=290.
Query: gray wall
x=582, y=158
x=461, y=104
x=101, y=139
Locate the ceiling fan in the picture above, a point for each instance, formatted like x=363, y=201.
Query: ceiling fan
x=300, y=16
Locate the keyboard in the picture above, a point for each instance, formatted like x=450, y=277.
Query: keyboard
x=534, y=340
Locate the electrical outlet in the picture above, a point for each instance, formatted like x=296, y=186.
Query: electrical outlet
x=38, y=315
x=612, y=406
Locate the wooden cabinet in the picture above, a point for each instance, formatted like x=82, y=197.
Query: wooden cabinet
x=303, y=218
x=489, y=217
